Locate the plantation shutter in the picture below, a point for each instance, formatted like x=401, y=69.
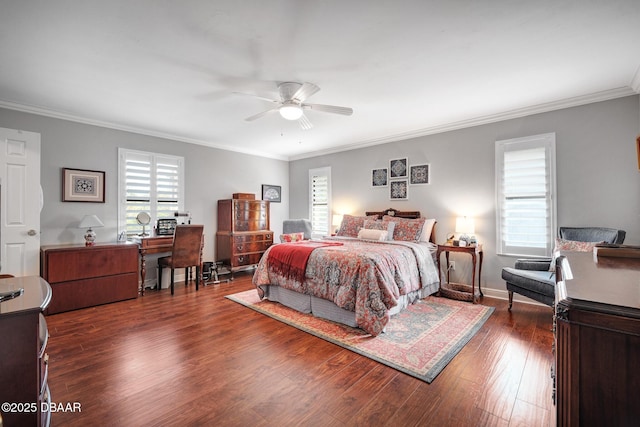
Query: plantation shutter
x=526, y=189
x=149, y=183
x=320, y=194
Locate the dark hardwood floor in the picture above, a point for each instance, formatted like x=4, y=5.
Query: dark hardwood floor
x=198, y=358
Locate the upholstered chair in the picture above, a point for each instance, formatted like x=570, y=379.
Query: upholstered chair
x=534, y=278
x=186, y=253
x=297, y=226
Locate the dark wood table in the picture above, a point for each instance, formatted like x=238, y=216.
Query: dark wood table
x=151, y=245
x=473, y=250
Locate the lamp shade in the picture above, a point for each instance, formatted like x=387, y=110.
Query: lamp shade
x=90, y=221
x=336, y=220
x=465, y=225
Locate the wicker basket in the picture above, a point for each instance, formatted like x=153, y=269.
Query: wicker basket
x=458, y=291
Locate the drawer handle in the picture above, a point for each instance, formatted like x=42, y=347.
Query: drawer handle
x=240, y=259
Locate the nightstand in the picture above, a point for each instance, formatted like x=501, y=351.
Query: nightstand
x=457, y=290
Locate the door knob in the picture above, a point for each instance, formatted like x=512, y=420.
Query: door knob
x=32, y=232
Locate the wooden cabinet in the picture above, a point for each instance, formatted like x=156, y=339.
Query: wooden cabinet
x=24, y=364
x=243, y=232
x=83, y=276
x=597, y=341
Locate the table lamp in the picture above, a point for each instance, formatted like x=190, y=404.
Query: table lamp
x=465, y=226
x=90, y=221
x=336, y=220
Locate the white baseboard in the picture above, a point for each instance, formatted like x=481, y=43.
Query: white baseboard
x=503, y=294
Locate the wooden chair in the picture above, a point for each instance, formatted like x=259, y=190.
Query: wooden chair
x=186, y=253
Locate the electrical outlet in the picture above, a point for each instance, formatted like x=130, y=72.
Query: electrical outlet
x=452, y=265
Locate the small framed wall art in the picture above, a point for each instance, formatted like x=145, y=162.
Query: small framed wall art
x=419, y=174
x=272, y=193
x=399, y=190
x=379, y=177
x=82, y=185
x=398, y=168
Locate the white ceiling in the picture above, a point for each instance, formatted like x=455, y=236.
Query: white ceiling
x=407, y=68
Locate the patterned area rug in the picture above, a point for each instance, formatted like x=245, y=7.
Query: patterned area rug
x=419, y=341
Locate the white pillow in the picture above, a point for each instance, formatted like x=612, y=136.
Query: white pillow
x=369, y=234
x=426, y=230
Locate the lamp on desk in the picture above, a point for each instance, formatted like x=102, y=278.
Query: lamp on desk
x=90, y=221
x=465, y=226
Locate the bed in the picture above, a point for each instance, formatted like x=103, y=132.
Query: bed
x=357, y=281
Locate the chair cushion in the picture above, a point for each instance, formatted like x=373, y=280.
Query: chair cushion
x=541, y=282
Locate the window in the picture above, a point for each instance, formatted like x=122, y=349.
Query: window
x=320, y=200
x=525, y=193
x=148, y=182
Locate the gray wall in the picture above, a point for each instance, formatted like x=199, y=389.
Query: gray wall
x=210, y=174
x=597, y=176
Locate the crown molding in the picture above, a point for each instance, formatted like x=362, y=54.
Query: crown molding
x=482, y=120
x=447, y=127
x=87, y=121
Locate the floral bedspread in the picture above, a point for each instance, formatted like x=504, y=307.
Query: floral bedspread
x=362, y=276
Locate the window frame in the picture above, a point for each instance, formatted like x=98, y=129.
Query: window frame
x=548, y=142
x=322, y=171
x=123, y=155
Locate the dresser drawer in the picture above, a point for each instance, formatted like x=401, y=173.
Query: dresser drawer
x=245, y=259
x=251, y=247
x=239, y=239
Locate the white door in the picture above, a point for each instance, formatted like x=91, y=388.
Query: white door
x=20, y=202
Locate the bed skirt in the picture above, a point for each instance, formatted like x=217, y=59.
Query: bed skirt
x=328, y=310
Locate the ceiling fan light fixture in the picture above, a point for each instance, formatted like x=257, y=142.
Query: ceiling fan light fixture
x=290, y=111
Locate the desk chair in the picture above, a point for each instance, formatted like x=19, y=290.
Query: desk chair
x=186, y=253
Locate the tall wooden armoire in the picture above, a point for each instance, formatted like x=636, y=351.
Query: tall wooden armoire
x=243, y=232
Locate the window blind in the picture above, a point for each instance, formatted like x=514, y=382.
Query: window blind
x=320, y=195
x=150, y=183
x=526, y=189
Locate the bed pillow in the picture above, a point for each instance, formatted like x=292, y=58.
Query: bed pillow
x=388, y=226
x=371, y=234
x=292, y=237
x=351, y=225
x=406, y=229
x=427, y=229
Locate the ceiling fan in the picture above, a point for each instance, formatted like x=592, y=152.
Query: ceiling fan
x=291, y=104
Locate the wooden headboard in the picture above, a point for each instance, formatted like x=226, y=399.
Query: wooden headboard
x=404, y=214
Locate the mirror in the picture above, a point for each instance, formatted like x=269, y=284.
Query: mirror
x=143, y=219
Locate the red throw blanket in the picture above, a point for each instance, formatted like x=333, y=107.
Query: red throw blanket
x=290, y=259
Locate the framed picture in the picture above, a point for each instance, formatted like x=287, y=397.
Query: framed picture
x=379, y=177
x=82, y=185
x=399, y=190
x=419, y=174
x=398, y=168
x=272, y=193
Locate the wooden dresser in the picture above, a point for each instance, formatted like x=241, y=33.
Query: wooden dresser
x=83, y=276
x=243, y=232
x=24, y=364
x=597, y=340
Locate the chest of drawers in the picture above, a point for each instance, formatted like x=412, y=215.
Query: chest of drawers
x=243, y=233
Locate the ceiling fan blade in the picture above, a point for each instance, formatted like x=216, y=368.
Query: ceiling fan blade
x=345, y=111
x=306, y=90
x=305, y=124
x=256, y=96
x=257, y=116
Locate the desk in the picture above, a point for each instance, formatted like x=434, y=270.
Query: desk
x=151, y=245
x=472, y=250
